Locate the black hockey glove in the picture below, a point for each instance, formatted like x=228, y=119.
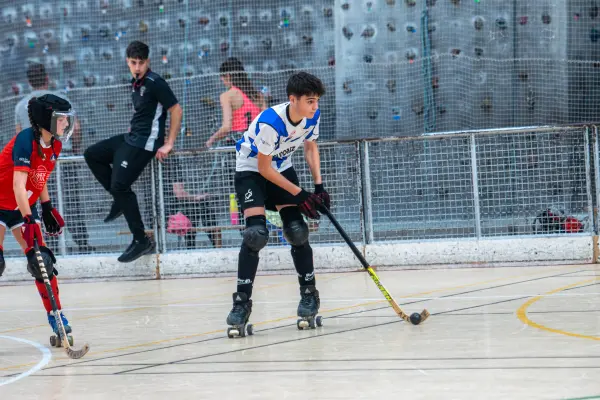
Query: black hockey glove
x=323, y=195
x=308, y=203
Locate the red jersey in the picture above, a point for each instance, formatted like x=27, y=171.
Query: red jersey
x=243, y=116
x=21, y=154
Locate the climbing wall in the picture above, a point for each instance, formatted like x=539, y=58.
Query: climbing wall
x=430, y=66
x=584, y=48
x=83, y=42
x=392, y=67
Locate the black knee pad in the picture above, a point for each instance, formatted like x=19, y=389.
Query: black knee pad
x=49, y=261
x=295, y=229
x=256, y=234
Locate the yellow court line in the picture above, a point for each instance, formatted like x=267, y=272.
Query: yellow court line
x=18, y=366
x=163, y=304
x=522, y=312
x=321, y=311
x=287, y=317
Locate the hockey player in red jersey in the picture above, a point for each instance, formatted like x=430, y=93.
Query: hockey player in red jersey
x=26, y=163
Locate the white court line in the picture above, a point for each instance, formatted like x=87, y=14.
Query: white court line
x=353, y=300
x=47, y=356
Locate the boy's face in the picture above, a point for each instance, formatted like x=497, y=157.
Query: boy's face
x=306, y=106
x=138, y=67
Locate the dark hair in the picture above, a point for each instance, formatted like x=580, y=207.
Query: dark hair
x=37, y=133
x=36, y=75
x=239, y=78
x=137, y=50
x=304, y=84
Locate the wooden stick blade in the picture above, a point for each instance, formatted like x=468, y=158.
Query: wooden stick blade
x=77, y=354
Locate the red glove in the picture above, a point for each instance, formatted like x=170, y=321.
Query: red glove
x=31, y=231
x=308, y=203
x=53, y=222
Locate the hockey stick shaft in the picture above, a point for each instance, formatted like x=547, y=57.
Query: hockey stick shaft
x=74, y=354
x=370, y=270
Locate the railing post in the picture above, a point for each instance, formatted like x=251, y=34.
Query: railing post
x=161, y=208
x=588, y=177
x=475, y=179
x=596, y=147
x=61, y=207
x=366, y=194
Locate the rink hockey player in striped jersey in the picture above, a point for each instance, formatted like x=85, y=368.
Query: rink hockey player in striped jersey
x=266, y=179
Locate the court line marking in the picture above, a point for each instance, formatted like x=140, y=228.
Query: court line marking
x=324, y=334
x=168, y=304
x=522, y=312
x=354, y=329
x=46, y=357
x=294, y=317
x=276, y=343
x=362, y=370
x=323, y=311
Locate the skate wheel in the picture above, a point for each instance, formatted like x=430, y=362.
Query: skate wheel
x=302, y=324
x=53, y=341
x=311, y=323
x=232, y=332
x=319, y=321
x=70, y=339
x=242, y=332
x=250, y=329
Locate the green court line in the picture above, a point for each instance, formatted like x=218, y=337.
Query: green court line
x=584, y=398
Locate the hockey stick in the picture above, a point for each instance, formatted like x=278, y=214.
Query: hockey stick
x=415, y=318
x=74, y=354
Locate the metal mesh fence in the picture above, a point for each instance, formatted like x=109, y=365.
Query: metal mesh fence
x=200, y=186
x=464, y=185
x=527, y=183
x=523, y=176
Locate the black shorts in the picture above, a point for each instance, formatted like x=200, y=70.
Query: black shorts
x=254, y=190
x=12, y=219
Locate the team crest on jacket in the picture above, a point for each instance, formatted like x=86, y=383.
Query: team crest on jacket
x=38, y=177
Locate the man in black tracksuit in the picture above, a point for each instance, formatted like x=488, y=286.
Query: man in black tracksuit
x=130, y=153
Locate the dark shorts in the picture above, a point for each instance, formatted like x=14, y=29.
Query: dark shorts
x=12, y=219
x=253, y=190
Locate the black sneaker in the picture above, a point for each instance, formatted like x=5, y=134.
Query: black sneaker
x=136, y=249
x=115, y=212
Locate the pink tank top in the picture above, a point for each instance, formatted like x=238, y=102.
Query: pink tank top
x=243, y=116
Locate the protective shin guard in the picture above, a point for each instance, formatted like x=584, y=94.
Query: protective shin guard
x=45, y=299
x=247, y=266
x=303, y=261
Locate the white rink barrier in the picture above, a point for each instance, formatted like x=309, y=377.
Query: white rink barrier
x=330, y=258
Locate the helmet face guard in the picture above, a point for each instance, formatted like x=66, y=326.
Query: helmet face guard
x=62, y=125
x=53, y=114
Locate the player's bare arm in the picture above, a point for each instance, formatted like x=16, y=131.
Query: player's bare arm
x=176, y=113
x=313, y=159
x=19, y=188
x=45, y=196
x=266, y=169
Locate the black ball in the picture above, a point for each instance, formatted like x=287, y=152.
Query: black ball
x=415, y=318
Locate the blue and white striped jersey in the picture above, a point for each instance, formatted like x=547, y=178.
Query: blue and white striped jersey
x=271, y=133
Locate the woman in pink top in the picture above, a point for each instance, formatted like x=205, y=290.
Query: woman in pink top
x=241, y=103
